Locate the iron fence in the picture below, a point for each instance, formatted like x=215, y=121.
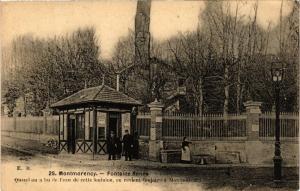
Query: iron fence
x=207, y=126
x=289, y=126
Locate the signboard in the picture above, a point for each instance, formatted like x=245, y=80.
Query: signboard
x=61, y=126
x=158, y=119
x=65, y=127
x=152, y=134
x=101, y=118
x=86, y=125
x=255, y=127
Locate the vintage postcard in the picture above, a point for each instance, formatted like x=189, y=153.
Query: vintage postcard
x=149, y=95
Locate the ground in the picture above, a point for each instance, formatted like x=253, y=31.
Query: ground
x=23, y=159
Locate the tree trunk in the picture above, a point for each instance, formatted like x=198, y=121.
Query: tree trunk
x=25, y=105
x=238, y=90
x=196, y=107
x=198, y=94
x=200, y=98
x=226, y=92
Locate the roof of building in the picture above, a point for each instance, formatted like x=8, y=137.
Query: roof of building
x=100, y=94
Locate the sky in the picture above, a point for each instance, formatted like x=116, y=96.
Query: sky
x=113, y=19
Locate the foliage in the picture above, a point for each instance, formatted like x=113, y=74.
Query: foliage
x=47, y=70
x=224, y=63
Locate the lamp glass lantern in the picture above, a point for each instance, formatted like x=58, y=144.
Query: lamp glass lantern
x=134, y=111
x=277, y=71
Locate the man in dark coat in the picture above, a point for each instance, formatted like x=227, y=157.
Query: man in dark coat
x=127, y=145
x=119, y=148
x=112, y=144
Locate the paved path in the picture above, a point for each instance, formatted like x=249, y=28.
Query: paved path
x=17, y=152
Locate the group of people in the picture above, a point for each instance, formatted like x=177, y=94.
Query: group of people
x=128, y=146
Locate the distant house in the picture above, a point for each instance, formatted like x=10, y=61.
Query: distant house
x=176, y=98
x=20, y=106
x=19, y=109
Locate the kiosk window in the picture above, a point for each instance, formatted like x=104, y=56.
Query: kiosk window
x=80, y=126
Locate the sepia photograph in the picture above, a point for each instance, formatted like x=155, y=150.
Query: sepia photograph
x=152, y=95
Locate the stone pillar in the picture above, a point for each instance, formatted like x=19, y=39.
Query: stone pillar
x=155, y=142
x=254, y=147
x=253, y=113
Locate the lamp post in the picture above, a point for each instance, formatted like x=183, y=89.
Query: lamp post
x=277, y=75
x=134, y=113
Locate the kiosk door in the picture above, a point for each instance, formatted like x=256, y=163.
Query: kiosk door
x=114, y=124
x=71, y=133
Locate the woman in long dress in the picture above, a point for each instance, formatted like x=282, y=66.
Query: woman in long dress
x=185, y=151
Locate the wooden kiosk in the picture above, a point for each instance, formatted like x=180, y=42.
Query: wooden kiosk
x=87, y=117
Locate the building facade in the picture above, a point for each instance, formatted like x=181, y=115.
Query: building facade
x=87, y=117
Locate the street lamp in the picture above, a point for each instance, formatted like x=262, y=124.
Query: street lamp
x=277, y=76
x=134, y=113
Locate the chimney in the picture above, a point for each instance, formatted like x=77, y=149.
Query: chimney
x=85, y=84
x=103, y=79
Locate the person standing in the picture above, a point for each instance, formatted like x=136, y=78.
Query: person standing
x=119, y=148
x=185, y=151
x=127, y=145
x=112, y=144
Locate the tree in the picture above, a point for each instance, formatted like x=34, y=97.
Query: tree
x=192, y=58
x=12, y=94
x=50, y=69
x=123, y=60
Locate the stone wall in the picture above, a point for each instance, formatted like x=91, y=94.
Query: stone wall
x=234, y=152
x=144, y=149
x=264, y=152
x=250, y=149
